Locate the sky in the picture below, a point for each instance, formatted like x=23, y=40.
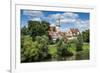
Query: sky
x=67, y=19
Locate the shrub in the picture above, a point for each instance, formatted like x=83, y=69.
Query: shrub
x=43, y=47
x=34, y=51
x=29, y=52
x=79, y=43
x=62, y=50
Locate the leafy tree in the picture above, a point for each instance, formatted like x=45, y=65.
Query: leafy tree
x=29, y=52
x=34, y=51
x=37, y=28
x=79, y=43
x=85, y=35
x=43, y=47
x=24, y=31
x=62, y=50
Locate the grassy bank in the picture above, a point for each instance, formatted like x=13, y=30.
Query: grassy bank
x=84, y=54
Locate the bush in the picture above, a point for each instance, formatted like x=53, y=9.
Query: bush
x=29, y=52
x=79, y=43
x=86, y=36
x=43, y=47
x=34, y=51
x=62, y=50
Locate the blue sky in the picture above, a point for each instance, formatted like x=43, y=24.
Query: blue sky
x=68, y=20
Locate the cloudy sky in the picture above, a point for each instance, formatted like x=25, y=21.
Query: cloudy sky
x=68, y=20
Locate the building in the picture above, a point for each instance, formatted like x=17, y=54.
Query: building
x=55, y=33
x=72, y=33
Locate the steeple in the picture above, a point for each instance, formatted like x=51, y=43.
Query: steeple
x=58, y=22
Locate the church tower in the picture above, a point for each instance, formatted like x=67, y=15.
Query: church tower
x=58, y=24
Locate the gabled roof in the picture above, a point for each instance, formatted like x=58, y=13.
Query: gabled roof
x=74, y=30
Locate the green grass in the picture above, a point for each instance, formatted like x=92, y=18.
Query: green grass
x=82, y=55
x=86, y=51
x=86, y=46
x=72, y=48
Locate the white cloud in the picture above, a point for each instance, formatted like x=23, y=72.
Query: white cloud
x=65, y=18
x=65, y=21
x=36, y=19
x=33, y=13
x=52, y=24
x=54, y=16
x=64, y=15
x=70, y=18
x=82, y=24
x=70, y=15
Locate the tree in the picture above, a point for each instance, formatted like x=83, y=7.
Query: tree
x=24, y=31
x=85, y=35
x=29, y=52
x=62, y=50
x=43, y=48
x=37, y=28
x=79, y=43
x=34, y=51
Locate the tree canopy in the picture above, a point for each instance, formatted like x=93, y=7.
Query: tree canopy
x=86, y=36
x=37, y=28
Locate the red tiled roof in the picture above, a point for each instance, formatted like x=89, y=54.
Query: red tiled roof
x=73, y=30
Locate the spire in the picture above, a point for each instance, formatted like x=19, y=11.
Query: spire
x=58, y=22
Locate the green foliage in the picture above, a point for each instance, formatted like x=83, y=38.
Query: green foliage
x=86, y=51
x=43, y=47
x=34, y=42
x=24, y=31
x=85, y=54
x=51, y=41
x=36, y=46
x=37, y=28
x=29, y=52
x=62, y=50
x=79, y=43
x=86, y=36
x=34, y=51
